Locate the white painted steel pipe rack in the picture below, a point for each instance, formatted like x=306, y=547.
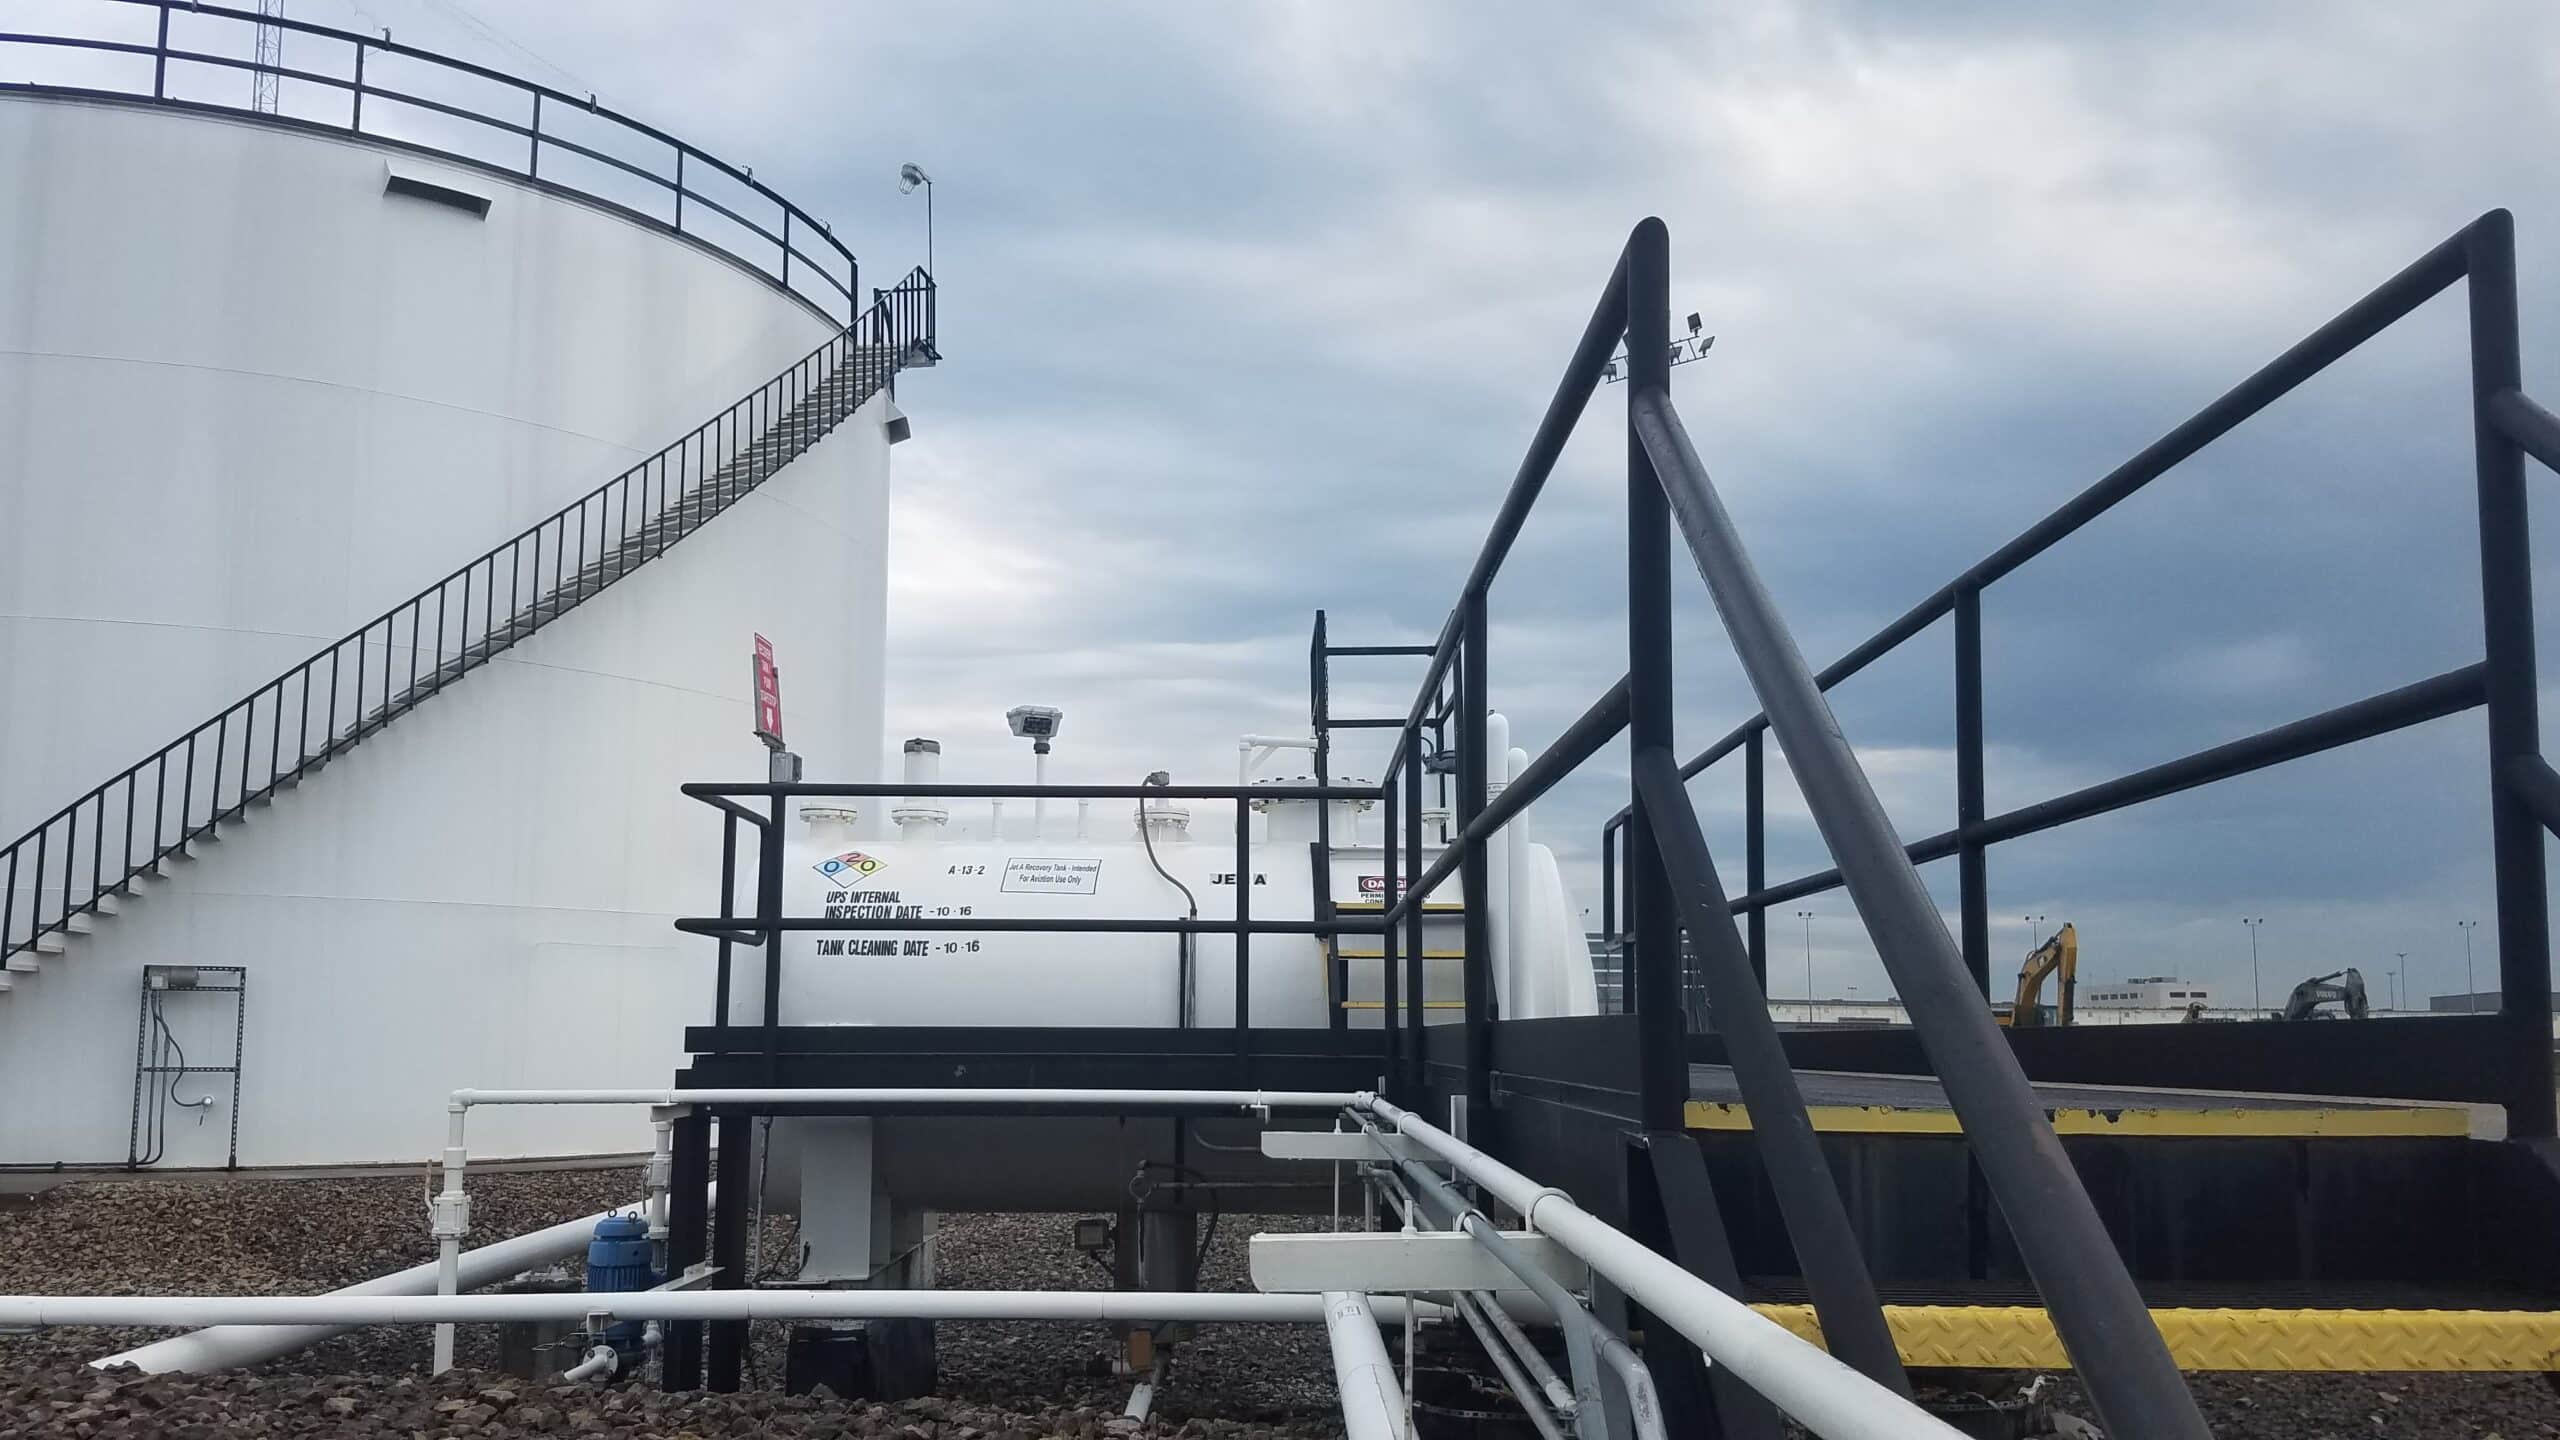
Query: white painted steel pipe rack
x=1801, y=1379
x=346, y=1311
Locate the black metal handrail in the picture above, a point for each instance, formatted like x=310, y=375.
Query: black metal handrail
x=390, y=664
x=1672, y=882
x=786, y=228
x=770, y=922
x=2507, y=423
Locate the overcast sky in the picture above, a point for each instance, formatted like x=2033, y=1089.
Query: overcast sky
x=1251, y=309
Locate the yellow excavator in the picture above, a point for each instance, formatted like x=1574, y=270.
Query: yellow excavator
x=2057, y=959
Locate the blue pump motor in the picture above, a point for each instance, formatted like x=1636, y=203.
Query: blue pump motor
x=618, y=1262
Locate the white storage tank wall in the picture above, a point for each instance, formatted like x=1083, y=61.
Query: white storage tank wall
x=247, y=402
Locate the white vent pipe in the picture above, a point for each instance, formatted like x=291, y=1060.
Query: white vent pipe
x=229, y=1345
x=921, y=817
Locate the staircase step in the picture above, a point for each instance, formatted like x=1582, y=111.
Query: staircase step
x=80, y=923
x=109, y=902
x=49, y=943
x=21, y=963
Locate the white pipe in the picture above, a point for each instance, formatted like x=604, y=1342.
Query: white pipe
x=936, y=1095
x=1142, y=1399
x=602, y=1360
x=921, y=817
x=229, y=1346
x=1532, y=991
x=1507, y=998
x=1039, y=778
x=346, y=1310
x=448, y=1221
x=1084, y=819
x=995, y=820
x=1822, y=1394
x=1372, y=1402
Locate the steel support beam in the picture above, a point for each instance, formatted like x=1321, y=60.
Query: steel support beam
x=2515, y=724
x=1653, y=926
x=2101, y=1317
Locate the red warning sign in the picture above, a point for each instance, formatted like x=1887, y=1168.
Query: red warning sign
x=768, y=696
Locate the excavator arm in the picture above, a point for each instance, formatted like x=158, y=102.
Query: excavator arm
x=2057, y=959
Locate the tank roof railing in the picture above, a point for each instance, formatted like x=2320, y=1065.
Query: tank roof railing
x=772, y=232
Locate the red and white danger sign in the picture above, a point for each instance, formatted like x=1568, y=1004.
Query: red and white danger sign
x=768, y=695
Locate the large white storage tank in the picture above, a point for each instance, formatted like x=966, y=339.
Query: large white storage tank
x=251, y=395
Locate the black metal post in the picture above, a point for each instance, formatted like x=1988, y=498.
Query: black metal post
x=1755, y=853
x=1653, y=929
x=533, y=141
x=2515, y=726
x=355, y=110
x=1390, y=1017
x=1609, y=881
x=1474, y=865
x=688, y=1214
x=728, y=911
x=160, y=59
x=769, y=909
x=729, y=1247
x=1244, y=924
x=1319, y=717
x=1973, y=876
x=1401, y=888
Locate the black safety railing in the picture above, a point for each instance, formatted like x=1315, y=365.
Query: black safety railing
x=1672, y=886
x=775, y=238
x=764, y=926
x=78, y=859
x=2507, y=426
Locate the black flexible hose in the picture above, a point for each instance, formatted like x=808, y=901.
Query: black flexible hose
x=1146, y=835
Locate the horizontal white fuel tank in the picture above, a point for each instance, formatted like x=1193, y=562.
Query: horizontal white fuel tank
x=903, y=976
x=907, y=975
x=912, y=975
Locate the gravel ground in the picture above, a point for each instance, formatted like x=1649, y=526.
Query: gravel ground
x=1000, y=1381
x=256, y=1236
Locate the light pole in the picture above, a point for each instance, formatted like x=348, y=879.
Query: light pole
x=2400, y=980
x=1807, y=917
x=2035, y=929
x=911, y=175
x=2253, y=924
x=2470, y=987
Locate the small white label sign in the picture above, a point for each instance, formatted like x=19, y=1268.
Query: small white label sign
x=1051, y=877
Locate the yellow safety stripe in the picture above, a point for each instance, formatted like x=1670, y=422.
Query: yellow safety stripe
x=2304, y=1123
x=2021, y=1337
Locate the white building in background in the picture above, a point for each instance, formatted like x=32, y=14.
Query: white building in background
x=2147, y=992
x=252, y=394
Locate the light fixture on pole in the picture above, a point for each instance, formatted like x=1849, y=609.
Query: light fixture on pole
x=1039, y=725
x=1686, y=350
x=2470, y=987
x=2253, y=924
x=2400, y=981
x=2035, y=926
x=1807, y=917
x=911, y=175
